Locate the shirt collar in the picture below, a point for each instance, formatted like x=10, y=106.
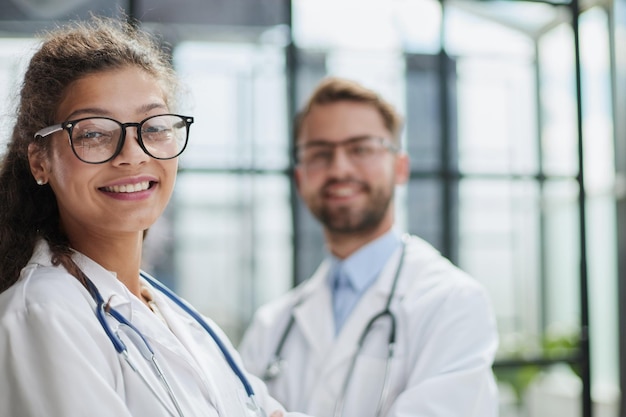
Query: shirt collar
x=364, y=265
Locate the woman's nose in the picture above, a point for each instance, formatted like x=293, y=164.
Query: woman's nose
x=131, y=151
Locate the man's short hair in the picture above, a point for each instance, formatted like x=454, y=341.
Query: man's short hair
x=334, y=89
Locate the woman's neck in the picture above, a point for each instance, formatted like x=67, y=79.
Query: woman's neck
x=121, y=255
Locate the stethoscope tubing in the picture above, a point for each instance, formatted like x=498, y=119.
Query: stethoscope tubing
x=391, y=341
x=218, y=341
x=273, y=369
x=202, y=322
x=145, y=348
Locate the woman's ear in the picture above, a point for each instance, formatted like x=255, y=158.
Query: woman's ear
x=38, y=164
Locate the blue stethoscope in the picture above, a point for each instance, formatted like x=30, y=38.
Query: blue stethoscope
x=276, y=364
x=103, y=310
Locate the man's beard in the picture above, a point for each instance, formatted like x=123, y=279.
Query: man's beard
x=347, y=220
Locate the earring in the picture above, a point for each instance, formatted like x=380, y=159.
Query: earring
x=40, y=181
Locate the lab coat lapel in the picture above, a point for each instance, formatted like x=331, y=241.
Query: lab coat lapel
x=113, y=292
x=313, y=315
x=111, y=289
x=185, y=335
x=121, y=299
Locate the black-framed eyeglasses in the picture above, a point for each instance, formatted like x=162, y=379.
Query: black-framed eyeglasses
x=361, y=150
x=96, y=140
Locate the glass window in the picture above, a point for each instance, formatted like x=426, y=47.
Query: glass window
x=14, y=56
x=238, y=96
x=498, y=234
x=601, y=200
x=496, y=122
x=231, y=214
x=409, y=25
x=233, y=243
x=558, y=102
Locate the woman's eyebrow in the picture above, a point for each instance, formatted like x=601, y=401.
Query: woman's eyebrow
x=103, y=112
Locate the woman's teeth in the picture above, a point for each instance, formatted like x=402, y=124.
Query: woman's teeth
x=128, y=188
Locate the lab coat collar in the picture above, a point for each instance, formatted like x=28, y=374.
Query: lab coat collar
x=107, y=283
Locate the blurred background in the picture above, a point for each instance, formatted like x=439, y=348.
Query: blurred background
x=516, y=129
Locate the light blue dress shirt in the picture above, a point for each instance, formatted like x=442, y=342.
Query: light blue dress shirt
x=351, y=277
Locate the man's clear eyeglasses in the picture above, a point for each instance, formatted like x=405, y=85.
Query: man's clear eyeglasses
x=318, y=155
x=96, y=140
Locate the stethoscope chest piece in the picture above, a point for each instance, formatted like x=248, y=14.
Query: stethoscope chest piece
x=254, y=410
x=274, y=369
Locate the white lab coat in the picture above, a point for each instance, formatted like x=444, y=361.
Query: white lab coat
x=446, y=342
x=56, y=359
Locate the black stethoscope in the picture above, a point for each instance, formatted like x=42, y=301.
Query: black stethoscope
x=103, y=310
x=275, y=366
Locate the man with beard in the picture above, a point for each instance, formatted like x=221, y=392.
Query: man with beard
x=386, y=326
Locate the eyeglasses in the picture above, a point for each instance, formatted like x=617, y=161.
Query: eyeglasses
x=96, y=140
x=318, y=155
